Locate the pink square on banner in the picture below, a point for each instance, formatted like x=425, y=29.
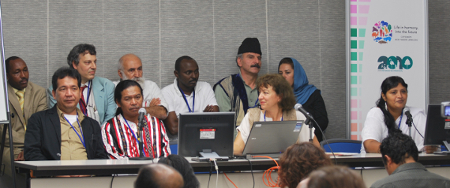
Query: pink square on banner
x=354, y=115
x=354, y=127
x=364, y=9
x=363, y=0
x=362, y=21
x=353, y=9
x=354, y=137
x=353, y=0
x=353, y=20
x=354, y=103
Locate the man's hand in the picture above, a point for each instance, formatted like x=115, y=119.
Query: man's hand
x=211, y=108
x=155, y=102
x=20, y=157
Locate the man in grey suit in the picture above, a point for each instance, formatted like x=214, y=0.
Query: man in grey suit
x=25, y=99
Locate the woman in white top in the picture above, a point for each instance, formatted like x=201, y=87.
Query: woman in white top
x=277, y=104
x=389, y=116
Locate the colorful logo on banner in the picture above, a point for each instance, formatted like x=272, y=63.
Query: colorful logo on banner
x=382, y=32
x=394, y=63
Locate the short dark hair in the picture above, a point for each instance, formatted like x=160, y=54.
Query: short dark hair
x=281, y=87
x=7, y=65
x=74, y=54
x=62, y=73
x=146, y=178
x=298, y=161
x=335, y=177
x=398, y=147
x=122, y=85
x=178, y=61
x=184, y=168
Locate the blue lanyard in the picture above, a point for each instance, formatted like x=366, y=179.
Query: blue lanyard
x=81, y=138
x=132, y=132
x=399, y=123
x=185, y=100
x=272, y=119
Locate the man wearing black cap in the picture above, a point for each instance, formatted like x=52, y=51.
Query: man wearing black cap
x=238, y=92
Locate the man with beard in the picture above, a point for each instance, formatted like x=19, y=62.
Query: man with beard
x=121, y=133
x=187, y=94
x=25, y=99
x=130, y=68
x=97, y=93
x=237, y=93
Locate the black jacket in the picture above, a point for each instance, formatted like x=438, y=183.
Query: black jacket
x=43, y=137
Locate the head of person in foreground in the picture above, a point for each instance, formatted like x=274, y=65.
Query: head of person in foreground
x=158, y=176
x=298, y=161
x=333, y=177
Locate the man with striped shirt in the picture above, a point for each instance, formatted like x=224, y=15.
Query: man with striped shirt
x=121, y=133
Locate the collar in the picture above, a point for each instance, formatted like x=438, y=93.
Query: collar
x=243, y=81
x=175, y=87
x=61, y=114
x=16, y=90
x=409, y=166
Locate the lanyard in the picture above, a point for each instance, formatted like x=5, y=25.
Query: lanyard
x=399, y=123
x=272, y=119
x=185, y=100
x=81, y=138
x=132, y=132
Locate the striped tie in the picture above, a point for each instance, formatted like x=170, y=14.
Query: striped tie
x=20, y=94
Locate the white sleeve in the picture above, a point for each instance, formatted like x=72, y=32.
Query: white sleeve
x=166, y=96
x=210, y=96
x=374, y=126
x=155, y=92
x=244, y=128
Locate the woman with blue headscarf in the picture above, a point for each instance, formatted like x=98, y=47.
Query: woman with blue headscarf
x=306, y=94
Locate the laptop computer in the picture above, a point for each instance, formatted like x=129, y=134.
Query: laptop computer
x=271, y=138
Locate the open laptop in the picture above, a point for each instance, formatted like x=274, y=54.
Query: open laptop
x=271, y=138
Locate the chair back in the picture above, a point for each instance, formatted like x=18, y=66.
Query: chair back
x=341, y=145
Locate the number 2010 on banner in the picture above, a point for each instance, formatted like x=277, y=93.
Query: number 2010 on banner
x=394, y=62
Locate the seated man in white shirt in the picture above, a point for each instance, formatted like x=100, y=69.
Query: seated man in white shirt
x=187, y=94
x=130, y=68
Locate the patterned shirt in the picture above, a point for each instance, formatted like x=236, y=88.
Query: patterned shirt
x=120, y=138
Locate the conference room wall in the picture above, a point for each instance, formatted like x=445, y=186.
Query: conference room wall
x=43, y=32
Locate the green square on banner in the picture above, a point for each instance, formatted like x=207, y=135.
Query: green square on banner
x=362, y=32
x=360, y=56
x=354, y=92
x=361, y=44
x=354, y=32
x=354, y=56
x=360, y=67
x=354, y=44
x=354, y=68
x=354, y=80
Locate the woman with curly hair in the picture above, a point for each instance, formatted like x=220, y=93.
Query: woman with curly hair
x=298, y=161
x=277, y=104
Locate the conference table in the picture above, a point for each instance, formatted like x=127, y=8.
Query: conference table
x=241, y=169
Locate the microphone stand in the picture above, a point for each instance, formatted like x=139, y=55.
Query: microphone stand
x=310, y=123
x=141, y=144
x=409, y=123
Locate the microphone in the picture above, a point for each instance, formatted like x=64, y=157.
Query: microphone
x=142, y=113
x=303, y=111
x=409, y=119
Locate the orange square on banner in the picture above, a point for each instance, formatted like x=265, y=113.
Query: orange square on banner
x=354, y=127
x=354, y=137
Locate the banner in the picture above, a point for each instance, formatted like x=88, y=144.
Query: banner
x=386, y=38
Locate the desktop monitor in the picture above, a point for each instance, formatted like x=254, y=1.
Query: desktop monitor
x=437, y=128
x=206, y=132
